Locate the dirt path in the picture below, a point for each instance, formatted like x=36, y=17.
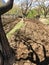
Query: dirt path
x=9, y=23
x=31, y=44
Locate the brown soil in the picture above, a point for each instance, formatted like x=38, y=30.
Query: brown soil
x=9, y=23
x=31, y=44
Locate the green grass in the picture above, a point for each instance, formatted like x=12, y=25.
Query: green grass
x=32, y=14
x=18, y=26
x=47, y=21
x=12, y=11
x=44, y=20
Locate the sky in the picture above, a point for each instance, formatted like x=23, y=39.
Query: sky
x=5, y=0
x=14, y=1
x=17, y=1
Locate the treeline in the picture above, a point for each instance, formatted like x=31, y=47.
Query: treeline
x=31, y=9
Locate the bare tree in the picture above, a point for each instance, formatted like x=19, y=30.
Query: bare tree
x=43, y=6
x=6, y=49
x=26, y=6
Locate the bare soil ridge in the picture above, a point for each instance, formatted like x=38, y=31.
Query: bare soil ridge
x=31, y=41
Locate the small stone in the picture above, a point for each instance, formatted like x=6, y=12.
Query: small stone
x=26, y=63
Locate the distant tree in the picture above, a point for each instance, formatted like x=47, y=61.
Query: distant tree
x=26, y=6
x=43, y=6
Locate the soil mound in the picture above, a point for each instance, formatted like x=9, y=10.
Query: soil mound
x=31, y=44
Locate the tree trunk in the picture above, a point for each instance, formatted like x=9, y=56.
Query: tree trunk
x=6, y=49
x=45, y=14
